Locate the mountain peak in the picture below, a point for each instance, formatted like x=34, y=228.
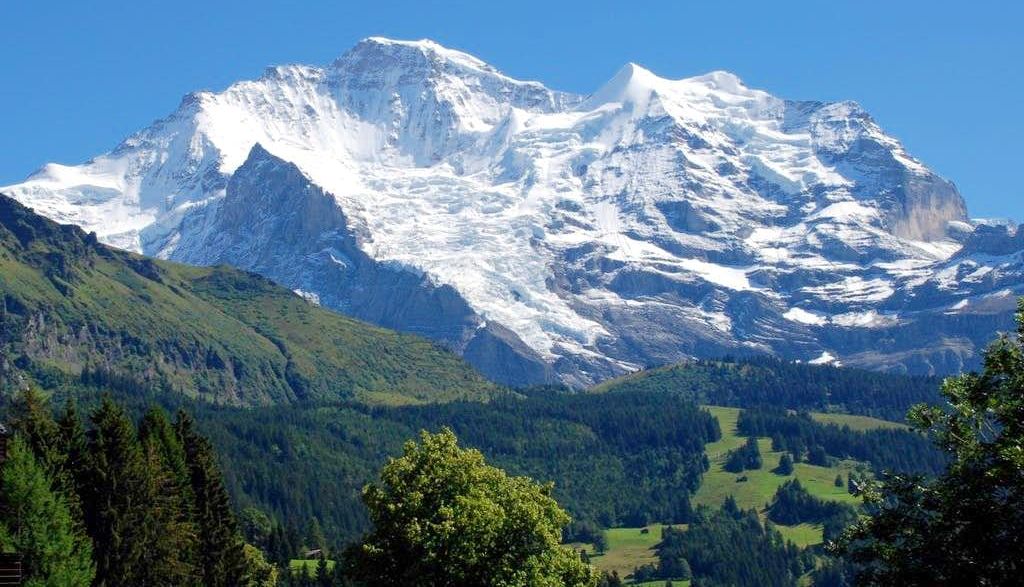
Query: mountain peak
x=384, y=52
x=631, y=84
x=664, y=218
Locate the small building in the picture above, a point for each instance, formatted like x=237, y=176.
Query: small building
x=315, y=553
x=10, y=569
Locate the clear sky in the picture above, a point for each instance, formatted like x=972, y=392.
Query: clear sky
x=944, y=77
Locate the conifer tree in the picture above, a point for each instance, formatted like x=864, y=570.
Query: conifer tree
x=156, y=431
x=785, y=465
x=75, y=447
x=116, y=497
x=324, y=576
x=36, y=522
x=964, y=527
x=222, y=555
x=171, y=557
x=33, y=419
x=315, y=539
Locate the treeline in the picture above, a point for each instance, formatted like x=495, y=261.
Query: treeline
x=746, y=457
x=306, y=465
x=886, y=449
x=729, y=546
x=756, y=381
x=792, y=505
x=115, y=504
x=617, y=459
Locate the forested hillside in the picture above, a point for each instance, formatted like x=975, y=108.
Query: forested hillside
x=72, y=308
x=759, y=381
x=304, y=406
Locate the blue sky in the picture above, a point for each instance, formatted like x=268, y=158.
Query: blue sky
x=945, y=78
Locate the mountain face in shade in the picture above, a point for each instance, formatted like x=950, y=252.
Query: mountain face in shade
x=548, y=236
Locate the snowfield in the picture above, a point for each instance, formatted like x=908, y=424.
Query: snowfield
x=650, y=221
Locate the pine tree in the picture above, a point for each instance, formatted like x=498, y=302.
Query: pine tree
x=156, y=430
x=75, y=447
x=171, y=557
x=33, y=419
x=35, y=520
x=315, y=539
x=323, y=574
x=222, y=555
x=785, y=465
x=116, y=498
x=964, y=527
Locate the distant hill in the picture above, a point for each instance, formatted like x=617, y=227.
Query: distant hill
x=799, y=386
x=72, y=308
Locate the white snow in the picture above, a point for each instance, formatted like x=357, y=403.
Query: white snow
x=825, y=358
x=480, y=181
x=804, y=317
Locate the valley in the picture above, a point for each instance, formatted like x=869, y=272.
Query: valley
x=389, y=315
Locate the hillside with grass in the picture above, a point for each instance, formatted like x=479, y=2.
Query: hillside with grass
x=754, y=488
x=629, y=548
x=73, y=310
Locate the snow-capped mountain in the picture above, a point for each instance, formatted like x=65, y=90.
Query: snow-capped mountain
x=546, y=235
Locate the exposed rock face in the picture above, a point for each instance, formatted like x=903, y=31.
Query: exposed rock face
x=274, y=222
x=546, y=235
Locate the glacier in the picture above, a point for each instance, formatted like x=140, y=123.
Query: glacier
x=550, y=236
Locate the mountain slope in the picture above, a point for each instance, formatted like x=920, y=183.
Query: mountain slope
x=764, y=381
x=543, y=234
x=71, y=305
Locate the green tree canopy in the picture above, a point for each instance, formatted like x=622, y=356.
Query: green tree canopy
x=222, y=551
x=964, y=528
x=442, y=516
x=35, y=520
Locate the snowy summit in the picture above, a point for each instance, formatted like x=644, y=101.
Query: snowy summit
x=546, y=235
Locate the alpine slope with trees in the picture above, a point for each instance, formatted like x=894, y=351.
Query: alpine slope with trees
x=285, y=412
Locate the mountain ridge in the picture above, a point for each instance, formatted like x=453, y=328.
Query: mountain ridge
x=654, y=221
x=75, y=309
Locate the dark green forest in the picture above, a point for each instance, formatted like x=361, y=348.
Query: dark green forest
x=284, y=412
x=889, y=449
x=755, y=381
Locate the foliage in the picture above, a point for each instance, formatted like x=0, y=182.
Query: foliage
x=747, y=457
x=442, y=516
x=152, y=501
x=37, y=523
x=793, y=505
x=785, y=466
x=757, y=381
x=290, y=460
x=890, y=449
x=118, y=498
x=221, y=556
x=964, y=527
x=258, y=572
x=730, y=547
